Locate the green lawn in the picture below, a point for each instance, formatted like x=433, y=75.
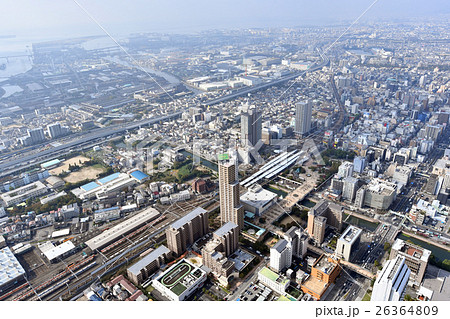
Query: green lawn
x=367, y=296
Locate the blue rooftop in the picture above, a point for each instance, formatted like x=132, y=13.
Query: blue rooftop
x=90, y=186
x=108, y=178
x=249, y=215
x=139, y=175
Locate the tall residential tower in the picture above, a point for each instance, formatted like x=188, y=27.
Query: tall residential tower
x=231, y=209
x=303, y=115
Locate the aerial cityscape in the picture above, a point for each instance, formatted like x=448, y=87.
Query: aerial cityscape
x=307, y=163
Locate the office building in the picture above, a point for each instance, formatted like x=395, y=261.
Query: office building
x=378, y=194
x=145, y=267
x=350, y=188
x=231, y=209
x=187, y=230
x=359, y=163
x=251, y=123
x=391, y=282
x=416, y=258
x=322, y=214
x=345, y=170
x=303, y=116
x=348, y=242
x=293, y=243
x=323, y=273
x=215, y=253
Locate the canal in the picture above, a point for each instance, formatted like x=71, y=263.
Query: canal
x=440, y=253
x=275, y=190
x=362, y=223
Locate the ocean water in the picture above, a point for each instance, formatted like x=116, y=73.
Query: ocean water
x=15, y=54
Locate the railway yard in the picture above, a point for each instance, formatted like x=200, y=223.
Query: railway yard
x=65, y=279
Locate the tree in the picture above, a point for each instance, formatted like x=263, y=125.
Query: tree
x=376, y=263
x=387, y=246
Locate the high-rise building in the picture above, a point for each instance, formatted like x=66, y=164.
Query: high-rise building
x=391, y=282
x=416, y=258
x=144, y=268
x=34, y=136
x=303, y=115
x=378, y=194
x=231, y=209
x=251, y=127
x=320, y=224
x=54, y=130
x=348, y=242
x=281, y=255
x=359, y=163
x=299, y=240
x=294, y=243
x=345, y=170
x=322, y=214
x=224, y=243
x=350, y=188
x=37, y=135
x=187, y=230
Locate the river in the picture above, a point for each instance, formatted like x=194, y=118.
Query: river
x=438, y=252
x=168, y=77
x=353, y=220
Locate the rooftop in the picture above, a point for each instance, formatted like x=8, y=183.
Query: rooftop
x=350, y=234
x=266, y=272
x=90, y=186
x=187, y=218
x=50, y=163
x=139, y=175
x=325, y=265
x=257, y=196
x=51, y=252
x=155, y=254
x=225, y=229
x=108, y=178
x=280, y=245
x=124, y=227
x=180, y=277
x=411, y=250
x=10, y=268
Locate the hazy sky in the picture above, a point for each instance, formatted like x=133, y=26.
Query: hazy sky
x=48, y=18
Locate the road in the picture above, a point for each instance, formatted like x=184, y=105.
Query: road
x=10, y=166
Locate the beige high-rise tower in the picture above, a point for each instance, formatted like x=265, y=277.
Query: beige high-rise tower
x=231, y=209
